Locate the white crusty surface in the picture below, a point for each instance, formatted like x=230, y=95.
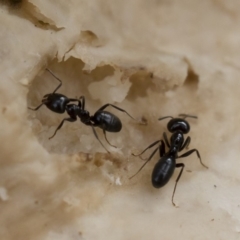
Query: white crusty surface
x=152, y=58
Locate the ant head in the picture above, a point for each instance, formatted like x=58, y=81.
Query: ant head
x=177, y=139
x=178, y=124
x=84, y=115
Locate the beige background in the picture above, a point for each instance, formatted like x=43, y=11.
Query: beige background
x=151, y=58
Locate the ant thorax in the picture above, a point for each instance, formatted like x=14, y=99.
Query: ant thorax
x=177, y=140
x=72, y=110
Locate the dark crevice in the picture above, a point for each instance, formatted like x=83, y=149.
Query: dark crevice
x=14, y=4
x=141, y=82
x=89, y=38
x=99, y=73
x=192, y=78
x=27, y=10
x=71, y=48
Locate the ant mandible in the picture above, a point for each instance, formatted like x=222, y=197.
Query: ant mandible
x=164, y=168
x=59, y=103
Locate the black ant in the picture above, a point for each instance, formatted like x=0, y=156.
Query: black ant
x=164, y=168
x=59, y=103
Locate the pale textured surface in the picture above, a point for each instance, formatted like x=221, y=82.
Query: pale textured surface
x=154, y=58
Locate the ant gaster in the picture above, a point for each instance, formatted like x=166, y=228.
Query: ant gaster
x=164, y=168
x=59, y=103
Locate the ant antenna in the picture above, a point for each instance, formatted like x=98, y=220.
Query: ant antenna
x=56, y=78
x=187, y=116
x=164, y=118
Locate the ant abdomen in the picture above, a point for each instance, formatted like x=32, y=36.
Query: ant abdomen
x=108, y=121
x=161, y=178
x=56, y=102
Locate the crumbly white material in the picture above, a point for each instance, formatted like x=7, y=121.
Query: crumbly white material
x=152, y=58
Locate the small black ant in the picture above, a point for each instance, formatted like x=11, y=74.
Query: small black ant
x=164, y=168
x=59, y=103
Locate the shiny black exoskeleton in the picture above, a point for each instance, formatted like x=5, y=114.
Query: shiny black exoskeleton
x=59, y=103
x=164, y=168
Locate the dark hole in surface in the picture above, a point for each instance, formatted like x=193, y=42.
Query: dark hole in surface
x=191, y=80
x=141, y=82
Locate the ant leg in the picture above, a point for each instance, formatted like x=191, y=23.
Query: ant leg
x=96, y=136
x=150, y=146
x=162, y=149
x=104, y=132
x=181, y=165
x=164, y=118
x=186, y=115
x=120, y=109
x=56, y=78
x=60, y=125
x=190, y=152
x=165, y=139
x=83, y=102
x=145, y=163
x=35, y=109
x=186, y=143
